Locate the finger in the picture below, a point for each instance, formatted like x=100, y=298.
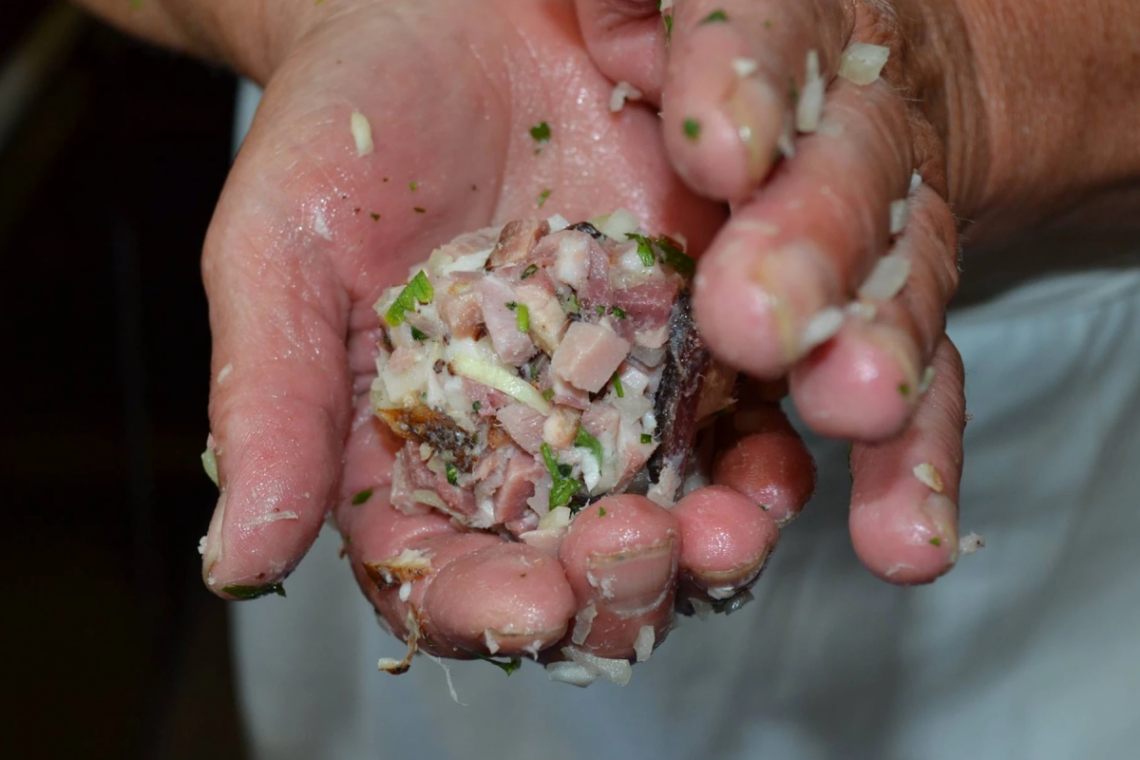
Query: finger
x=736, y=71
x=766, y=461
x=809, y=239
x=725, y=539
x=621, y=556
x=904, y=514
x=866, y=382
x=280, y=399
x=626, y=39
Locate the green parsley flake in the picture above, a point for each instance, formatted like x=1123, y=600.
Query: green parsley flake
x=543, y=196
x=540, y=132
x=419, y=335
x=374, y=215
x=419, y=289
x=644, y=250
x=668, y=27
x=936, y=541
x=618, y=312
x=564, y=486
x=477, y=406
x=413, y=186
x=362, y=497
x=452, y=473
x=508, y=667
x=715, y=16
x=646, y=438
x=571, y=304
x=253, y=592
x=765, y=508
x=794, y=93
x=529, y=272
x=601, y=310
x=618, y=389
x=210, y=464
x=534, y=371
x=522, y=318
x=676, y=259
x=904, y=390
x=548, y=394
x=601, y=511
x=767, y=23
x=692, y=129
x=587, y=441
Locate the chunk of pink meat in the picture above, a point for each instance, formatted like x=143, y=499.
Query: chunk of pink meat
x=524, y=523
x=566, y=394
x=518, y=486
x=570, y=252
x=523, y=425
x=561, y=427
x=647, y=306
x=472, y=242
x=588, y=356
x=511, y=344
x=597, y=290
x=410, y=473
x=401, y=360
x=459, y=304
x=517, y=240
x=489, y=399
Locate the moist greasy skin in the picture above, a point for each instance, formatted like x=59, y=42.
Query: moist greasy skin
x=535, y=367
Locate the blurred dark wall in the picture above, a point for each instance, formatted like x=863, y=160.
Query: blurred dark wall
x=106, y=190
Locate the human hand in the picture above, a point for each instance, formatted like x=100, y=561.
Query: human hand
x=308, y=233
x=969, y=101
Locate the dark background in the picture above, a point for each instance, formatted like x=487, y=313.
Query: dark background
x=107, y=185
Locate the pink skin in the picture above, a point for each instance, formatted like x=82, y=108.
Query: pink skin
x=727, y=537
x=292, y=270
x=621, y=554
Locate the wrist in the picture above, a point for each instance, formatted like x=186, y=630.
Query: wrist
x=1056, y=91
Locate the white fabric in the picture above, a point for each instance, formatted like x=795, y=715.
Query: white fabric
x=1026, y=650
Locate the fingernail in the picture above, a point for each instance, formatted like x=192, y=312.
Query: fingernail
x=943, y=517
x=752, y=106
x=635, y=582
x=211, y=545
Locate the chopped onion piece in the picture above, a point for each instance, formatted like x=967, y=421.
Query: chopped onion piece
x=744, y=67
x=361, y=133
x=490, y=640
x=970, y=543
x=862, y=310
x=501, y=379
x=431, y=498
x=571, y=673
x=618, y=671
x=886, y=279
x=809, y=108
x=862, y=63
x=900, y=212
x=558, y=223
x=786, y=144
x=701, y=608
x=915, y=181
x=720, y=593
x=583, y=623
x=664, y=5
x=643, y=644
x=210, y=464
x=618, y=224
x=622, y=92
x=928, y=476
x=556, y=519
x=822, y=328
x=927, y=379
x=405, y=591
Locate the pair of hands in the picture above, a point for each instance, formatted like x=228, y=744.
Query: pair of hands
x=307, y=234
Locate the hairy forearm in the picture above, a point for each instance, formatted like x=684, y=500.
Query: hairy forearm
x=1059, y=86
x=247, y=35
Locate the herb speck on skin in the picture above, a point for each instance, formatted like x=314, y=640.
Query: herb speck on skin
x=668, y=27
x=543, y=196
x=767, y=23
x=385, y=179
x=474, y=188
x=374, y=215
x=522, y=575
x=794, y=93
x=936, y=541
x=362, y=497
x=136, y=5
x=254, y=592
x=601, y=511
x=692, y=129
x=540, y=132
x=413, y=186
x=765, y=507
x=419, y=210
x=715, y=16
x=904, y=390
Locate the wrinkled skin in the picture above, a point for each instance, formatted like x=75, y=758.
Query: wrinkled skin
x=451, y=89
x=294, y=261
